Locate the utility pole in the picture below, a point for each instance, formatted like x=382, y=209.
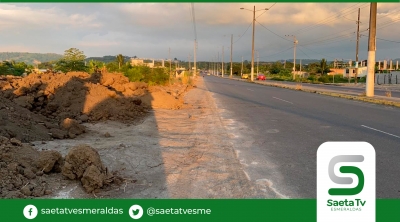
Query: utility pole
x=294, y=55
x=190, y=68
x=258, y=60
x=222, y=62
x=252, y=46
x=214, y=66
x=169, y=55
x=358, y=39
x=369, y=89
x=194, y=58
x=252, y=42
x=300, y=65
x=217, y=63
x=231, y=54
x=241, y=71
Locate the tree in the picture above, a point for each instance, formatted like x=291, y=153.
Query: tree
x=120, y=60
x=95, y=66
x=73, y=60
x=46, y=65
x=323, y=67
x=276, y=68
x=112, y=67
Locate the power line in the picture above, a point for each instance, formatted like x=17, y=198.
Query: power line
x=317, y=52
x=277, y=53
x=333, y=38
x=332, y=18
x=274, y=32
x=383, y=39
x=266, y=10
x=272, y=6
x=304, y=53
x=243, y=33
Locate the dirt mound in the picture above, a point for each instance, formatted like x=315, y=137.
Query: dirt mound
x=20, y=176
x=26, y=172
x=18, y=122
x=166, y=97
x=35, y=107
x=59, y=96
x=83, y=163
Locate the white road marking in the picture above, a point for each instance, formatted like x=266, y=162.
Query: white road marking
x=380, y=131
x=250, y=90
x=282, y=100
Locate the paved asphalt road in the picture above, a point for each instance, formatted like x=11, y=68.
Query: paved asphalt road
x=282, y=129
x=378, y=92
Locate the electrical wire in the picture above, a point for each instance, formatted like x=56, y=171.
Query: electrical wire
x=317, y=52
x=243, y=33
x=274, y=32
x=304, y=53
x=332, y=18
x=277, y=52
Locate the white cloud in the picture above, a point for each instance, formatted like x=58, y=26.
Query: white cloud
x=151, y=28
x=17, y=17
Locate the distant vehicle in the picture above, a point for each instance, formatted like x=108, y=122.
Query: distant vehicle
x=260, y=77
x=245, y=76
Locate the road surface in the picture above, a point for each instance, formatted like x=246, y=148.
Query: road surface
x=277, y=132
x=345, y=89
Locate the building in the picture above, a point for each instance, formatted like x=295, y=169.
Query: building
x=137, y=61
x=337, y=71
x=351, y=71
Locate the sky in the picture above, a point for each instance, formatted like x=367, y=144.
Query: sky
x=152, y=30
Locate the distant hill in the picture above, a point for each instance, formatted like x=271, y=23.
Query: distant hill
x=305, y=61
x=106, y=59
x=29, y=58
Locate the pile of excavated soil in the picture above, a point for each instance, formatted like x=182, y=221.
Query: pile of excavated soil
x=49, y=106
x=20, y=171
x=27, y=172
x=77, y=95
x=83, y=163
x=163, y=97
x=36, y=107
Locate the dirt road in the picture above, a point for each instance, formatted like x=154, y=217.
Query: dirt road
x=185, y=153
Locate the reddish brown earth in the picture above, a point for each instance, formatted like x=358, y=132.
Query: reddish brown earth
x=43, y=107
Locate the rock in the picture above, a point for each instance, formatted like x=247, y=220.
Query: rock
x=49, y=161
x=26, y=191
x=71, y=135
x=57, y=133
x=29, y=174
x=84, y=118
x=107, y=135
x=52, y=107
x=73, y=127
x=50, y=125
x=25, y=101
x=78, y=159
x=3, y=140
x=15, y=142
x=38, y=191
x=92, y=179
x=14, y=194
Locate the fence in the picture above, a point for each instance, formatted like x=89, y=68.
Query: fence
x=387, y=78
